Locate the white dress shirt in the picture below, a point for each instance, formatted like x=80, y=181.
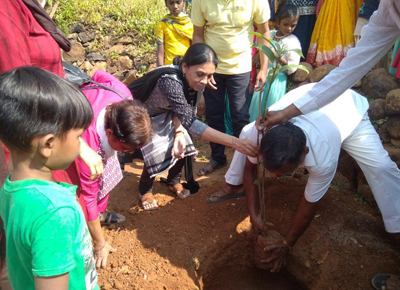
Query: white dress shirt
x=325, y=131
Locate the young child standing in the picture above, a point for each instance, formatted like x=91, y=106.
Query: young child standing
x=42, y=117
x=287, y=17
x=174, y=33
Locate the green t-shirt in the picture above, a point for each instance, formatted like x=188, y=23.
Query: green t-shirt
x=46, y=234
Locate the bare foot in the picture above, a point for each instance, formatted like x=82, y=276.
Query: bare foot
x=148, y=201
x=225, y=192
x=180, y=191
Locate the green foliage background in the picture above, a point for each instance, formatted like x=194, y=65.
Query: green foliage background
x=114, y=16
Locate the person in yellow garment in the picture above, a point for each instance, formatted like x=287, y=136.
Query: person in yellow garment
x=174, y=33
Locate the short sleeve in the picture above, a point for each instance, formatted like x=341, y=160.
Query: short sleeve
x=291, y=56
x=160, y=33
x=52, y=238
x=262, y=13
x=197, y=14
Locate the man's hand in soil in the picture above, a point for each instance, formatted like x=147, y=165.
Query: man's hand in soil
x=278, y=256
x=258, y=224
x=211, y=84
x=102, y=255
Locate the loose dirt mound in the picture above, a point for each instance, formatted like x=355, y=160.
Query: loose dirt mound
x=190, y=244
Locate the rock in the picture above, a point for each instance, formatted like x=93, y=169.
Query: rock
x=395, y=142
x=107, y=41
x=98, y=66
x=76, y=28
x=95, y=56
x=378, y=83
x=111, y=70
x=319, y=73
x=77, y=53
x=296, y=85
x=123, y=63
x=119, y=75
x=384, y=135
x=394, y=153
x=130, y=77
x=393, y=102
x=300, y=75
x=357, y=85
x=72, y=36
x=116, y=49
x=125, y=40
x=393, y=127
x=377, y=109
x=86, y=36
x=86, y=66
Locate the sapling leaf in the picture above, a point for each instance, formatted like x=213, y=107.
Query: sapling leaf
x=273, y=43
x=289, y=66
x=267, y=51
x=298, y=51
x=256, y=181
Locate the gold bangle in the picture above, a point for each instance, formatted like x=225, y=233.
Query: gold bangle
x=290, y=248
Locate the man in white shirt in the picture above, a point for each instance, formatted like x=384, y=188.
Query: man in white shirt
x=314, y=141
x=377, y=38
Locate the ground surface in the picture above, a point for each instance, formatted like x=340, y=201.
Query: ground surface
x=190, y=244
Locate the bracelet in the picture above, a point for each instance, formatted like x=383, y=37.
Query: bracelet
x=290, y=248
x=94, y=250
x=177, y=132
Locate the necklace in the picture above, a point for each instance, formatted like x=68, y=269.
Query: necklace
x=279, y=37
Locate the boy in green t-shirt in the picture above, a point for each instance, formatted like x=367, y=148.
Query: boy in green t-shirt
x=42, y=117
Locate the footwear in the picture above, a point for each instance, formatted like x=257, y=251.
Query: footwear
x=148, y=201
x=180, y=191
x=111, y=217
x=386, y=282
x=226, y=192
x=211, y=167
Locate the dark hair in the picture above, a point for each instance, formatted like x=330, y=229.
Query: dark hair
x=282, y=144
x=37, y=102
x=197, y=53
x=130, y=123
x=286, y=10
x=167, y=0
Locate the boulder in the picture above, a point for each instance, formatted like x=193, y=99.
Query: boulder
x=77, y=53
x=394, y=153
x=384, y=135
x=123, y=63
x=319, y=73
x=378, y=83
x=125, y=40
x=76, y=28
x=116, y=49
x=86, y=66
x=95, y=56
x=377, y=109
x=296, y=85
x=357, y=85
x=393, y=102
x=119, y=75
x=300, y=75
x=395, y=142
x=130, y=77
x=393, y=127
x=86, y=36
x=101, y=65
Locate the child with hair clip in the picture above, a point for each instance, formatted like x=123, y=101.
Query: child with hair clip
x=287, y=17
x=174, y=33
x=42, y=117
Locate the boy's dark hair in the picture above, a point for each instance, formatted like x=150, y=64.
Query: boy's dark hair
x=130, y=123
x=286, y=10
x=282, y=144
x=197, y=53
x=37, y=102
x=167, y=0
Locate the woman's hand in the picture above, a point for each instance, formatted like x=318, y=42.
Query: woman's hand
x=91, y=159
x=246, y=147
x=101, y=255
x=211, y=84
x=179, y=148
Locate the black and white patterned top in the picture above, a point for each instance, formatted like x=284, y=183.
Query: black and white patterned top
x=168, y=95
x=306, y=7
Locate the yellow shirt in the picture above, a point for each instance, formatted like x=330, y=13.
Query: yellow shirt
x=227, y=24
x=176, y=36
